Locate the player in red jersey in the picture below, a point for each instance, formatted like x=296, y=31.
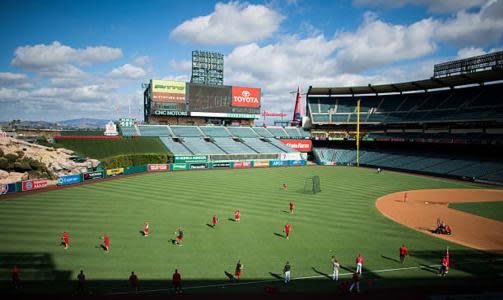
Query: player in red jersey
x=179, y=236
x=16, y=276
x=359, y=264
x=237, y=215
x=214, y=221
x=66, y=239
x=291, y=207
x=287, y=230
x=405, y=197
x=106, y=241
x=403, y=252
x=177, y=282
x=239, y=268
x=133, y=281
x=145, y=230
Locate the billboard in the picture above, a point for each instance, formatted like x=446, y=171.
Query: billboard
x=168, y=91
x=29, y=185
x=7, y=188
x=69, y=179
x=93, y=175
x=158, y=167
x=222, y=164
x=198, y=166
x=245, y=96
x=178, y=166
x=209, y=98
x=261, y=163
x=191, y=159
x=278, y=163
x=115, y=172
x=299, y=145
x=242, y=164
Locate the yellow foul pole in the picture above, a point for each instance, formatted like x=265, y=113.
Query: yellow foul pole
x=358, y=134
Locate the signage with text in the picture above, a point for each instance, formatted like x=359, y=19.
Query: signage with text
x=69, y=179
x=225, y=164
x=245, y=96
x=168, y=91
x=242, y=164
x=29, y=185
x=93, y=175
x=7, y=188
x=115, y=172
x=299, y=145
x=158, y=167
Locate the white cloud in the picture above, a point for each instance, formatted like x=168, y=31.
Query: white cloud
x=12, y=77
x=46, y=56
x=230, y=24
x=435, y=6
x=469, y=52
x=182, y=65
x=128, y=71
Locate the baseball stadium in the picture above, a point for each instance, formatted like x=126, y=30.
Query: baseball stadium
x=385, y=191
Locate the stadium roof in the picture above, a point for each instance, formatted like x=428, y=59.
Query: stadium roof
x=427, y=84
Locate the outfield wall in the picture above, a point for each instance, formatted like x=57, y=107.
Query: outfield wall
x=184, y=163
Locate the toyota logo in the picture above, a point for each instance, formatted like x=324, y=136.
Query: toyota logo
x=245, y=94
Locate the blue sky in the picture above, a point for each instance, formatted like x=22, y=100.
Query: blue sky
x=71, y=59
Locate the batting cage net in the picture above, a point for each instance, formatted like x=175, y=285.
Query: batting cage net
x=312, y=185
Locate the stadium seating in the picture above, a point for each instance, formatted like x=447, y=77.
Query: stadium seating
x=215, y=131
x=263, y=132
x=261, y=146
x=200, y=146
x=176, y=148
x=186, y=131
x=128, y=131
x=155, y=130
x=281, y=146
x=293, y=132
x=232, y=146
x=242, y=132
x=278, y=132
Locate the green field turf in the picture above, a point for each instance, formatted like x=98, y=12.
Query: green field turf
x=491, y=210
x=103, y=148
x=341, y=220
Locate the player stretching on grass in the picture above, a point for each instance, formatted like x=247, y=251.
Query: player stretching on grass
x=359, y=264
x=335, y=266
x=239, y=268
x=237, y=215
x=179, y=236
x=106, y=241
x=145, y=230
x=287, y=230
x=214, y=221
x=403, y=252
x=291, y=207
x=66, y=239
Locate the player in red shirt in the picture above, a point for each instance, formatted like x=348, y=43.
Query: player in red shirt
x=214, y=221
x=145, y=230
x=443, y=267
x=405, y=197
x=237, y=272
x=66, y=239
x=177, y=282
x=448, y=261
x=291, y=207
x=133, y=281
x=237, y=215
x=287, y=230
x=179, y=236
x=403, y=252
x=16, y=279
x=359, y=264
x=106, y=241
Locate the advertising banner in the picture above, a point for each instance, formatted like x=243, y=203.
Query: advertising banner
x=209, y=98
x=93, y=175
x=115, y=172
x=225, y=164
x=158, y=167
x=69, y=179
x=178, y=166
x=291, y=156
x=191, y=159
x=245, y=96
x=260, y=163
x=29, y=185
x=8, y=188
x=278, y=163
x=168, y=91
x=296, y=162
x=198, y=166
x=242, y=164
x=299, y=145
x=163, y=112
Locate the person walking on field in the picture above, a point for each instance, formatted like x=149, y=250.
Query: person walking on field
x=81, y=278
x=335, y=271
x=239, y=268
x=286, y=271
x=106, y=241
x=443, y=267
x=214, y=221
x=287, y=230
x=66, y=239
x=16, y=276
x=291, y=207
x=145, y=230
x=133, y=282
x=355, y=283
x=179, y=236
x=237, y=215
x=403, y=252
x=359, y=264
x=177, y=282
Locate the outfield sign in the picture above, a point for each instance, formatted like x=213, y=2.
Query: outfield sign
x=245, y=96
x=69, y=179
x=225, y=164
x=168, y=91
x=198, y=166
x=164, y=112
x=178, y=166
x=8, y=188
x=29, y=185
x=115, y=172
x=93, y=175
x=191, y=159
x=158, y=167
x=296, y=162
x=242, y=164
x=260, y=163
x=225, y=115
x=278, y=163
x=299, y=145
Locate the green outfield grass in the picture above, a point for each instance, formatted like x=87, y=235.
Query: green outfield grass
x=341, y=220
x=103, y=148
x=491, y=210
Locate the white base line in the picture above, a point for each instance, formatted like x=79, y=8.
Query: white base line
x=296, y=278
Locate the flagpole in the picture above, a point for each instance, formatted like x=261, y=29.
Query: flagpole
x=358, y=134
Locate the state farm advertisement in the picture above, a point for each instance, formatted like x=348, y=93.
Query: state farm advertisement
x=29, y=185
x=158, y=167
x=245, y=96
x=299, y=145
